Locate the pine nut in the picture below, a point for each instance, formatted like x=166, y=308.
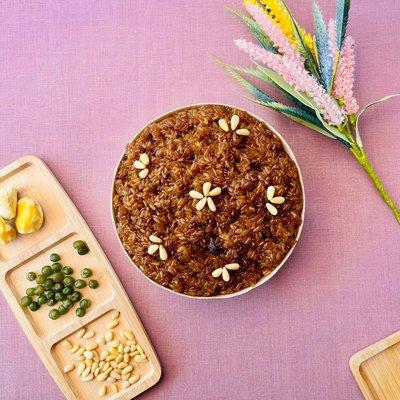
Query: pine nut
x=163, y=252
x=206, y=188
x=125, y=385
x=211, y=204
x=155, y=239
x=215, y=192
x=94, y=367
x=129, y=342
x=115, y=375
x=119, y=358
x=234, y=121
x=217, y=272
x=79, y=352
x=143, y=173
x=223, y=125
x=109, y=336
x=106, y=366
x=87, y=378
x=144, y=158
x=122, y=365
x=113, y=324
x=97, y=371
x=139, y=165
x=75, y=348
x=114, y=388
x=134, y=378
x=270, y=192
x=111, y=357
x=127, y=369
x=80, y=358
x=139, y=359
x=195, y=195
x=86, y=371
x=67, y=344
x=272, y=209
x=103, y=355
x=81, y=333
x=120, y=348
x=80, y=369
x=277, y=200
x=225, y=275
x=111, y=380
x=101, y=340
x=68, y=368
x=232, y=267
x=201, y=203
x=101, y=377
x=114, y=343
x=88, y=335
x=243, y=132
x=102, y=391
x=115, y=315
x=126, y=358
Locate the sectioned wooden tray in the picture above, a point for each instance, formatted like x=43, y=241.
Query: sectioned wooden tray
x=62, y=226
x=377, y=369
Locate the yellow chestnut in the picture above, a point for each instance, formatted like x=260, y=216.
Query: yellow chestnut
x=29, y=215
x=7, y=232
x=8, y=202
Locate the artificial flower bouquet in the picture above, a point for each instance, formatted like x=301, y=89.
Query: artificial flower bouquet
x=314, y=73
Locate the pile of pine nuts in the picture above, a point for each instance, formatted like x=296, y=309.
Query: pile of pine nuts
x=111, y=358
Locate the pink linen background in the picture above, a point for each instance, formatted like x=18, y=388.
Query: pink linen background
x=78, y=78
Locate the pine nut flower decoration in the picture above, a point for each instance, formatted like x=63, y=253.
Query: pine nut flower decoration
x=315, y=75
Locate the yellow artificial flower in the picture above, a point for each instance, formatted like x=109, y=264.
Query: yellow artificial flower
x=274, y=10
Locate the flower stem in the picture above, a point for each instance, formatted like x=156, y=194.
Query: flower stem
x=359, y=154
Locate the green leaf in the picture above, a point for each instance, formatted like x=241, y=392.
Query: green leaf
x=256, y=30
x=358, y=137
x=342, y=17
x=296, y=114
x=301, y=45
x=305, y=99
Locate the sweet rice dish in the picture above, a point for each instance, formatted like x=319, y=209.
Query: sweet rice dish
x=207, y=201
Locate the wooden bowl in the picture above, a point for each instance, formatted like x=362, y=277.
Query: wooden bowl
x=264, y=278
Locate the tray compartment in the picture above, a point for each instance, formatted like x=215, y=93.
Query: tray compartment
x=89, y=390
x=28, y=181
x=41, y=323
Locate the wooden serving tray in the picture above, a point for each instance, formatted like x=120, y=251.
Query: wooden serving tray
x=62, y=226
x=377, y=369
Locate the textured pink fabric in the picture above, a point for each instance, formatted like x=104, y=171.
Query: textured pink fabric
x=78, y=78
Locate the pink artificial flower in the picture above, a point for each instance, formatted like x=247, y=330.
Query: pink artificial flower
x=274, y=33
x=297, y=77
x=332, y=36
x=344, y=79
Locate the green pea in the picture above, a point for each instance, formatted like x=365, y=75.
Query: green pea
x=34, y=306
x=42, y=299
x=30, y=291
x=49, y=294
x=82, y=250
x=58, y=287
x=54, y=314
x=48, y=284
x=40, y=279
x=62, y=310
x=69, y=281
x=86, y=272
x=80, y=312
x=67, y=270
x=75, y=297
x=78, y=243
x=39, y=290
x=46, y=270
x=54, y=257
x=80, y=284
x=51, y=302
x=93, y=284
x=84, y=303
x=26, y=300
x=31, y=276
x=68, y=303
x=60, y=296
x=68, y=290
x=58, y=277
x=56, y=267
